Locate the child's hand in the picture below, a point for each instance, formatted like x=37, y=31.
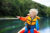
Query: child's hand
x=18, y=16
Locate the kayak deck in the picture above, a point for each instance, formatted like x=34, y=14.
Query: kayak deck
x=23, y=30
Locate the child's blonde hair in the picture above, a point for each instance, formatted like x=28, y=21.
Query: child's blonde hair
x=34, y=10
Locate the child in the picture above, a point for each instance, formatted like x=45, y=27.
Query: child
x=30, y=20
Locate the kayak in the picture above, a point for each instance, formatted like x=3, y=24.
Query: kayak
x=23, y=30
x=35, y=31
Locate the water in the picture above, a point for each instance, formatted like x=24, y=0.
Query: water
x=45, y=30
x=13, y=26
x=10, y=26
x=44, y=25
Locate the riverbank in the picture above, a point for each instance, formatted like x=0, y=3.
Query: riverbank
x=7, y=18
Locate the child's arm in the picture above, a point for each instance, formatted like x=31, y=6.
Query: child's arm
x=22, y=18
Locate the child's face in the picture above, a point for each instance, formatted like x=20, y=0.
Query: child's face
x=32, y=13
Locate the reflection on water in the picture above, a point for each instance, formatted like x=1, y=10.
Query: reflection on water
x=13, y=26
x=44, y=22
x=10, y=26
x=45, y=30
x=44, y=25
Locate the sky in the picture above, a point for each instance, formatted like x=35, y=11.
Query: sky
x=43, y=2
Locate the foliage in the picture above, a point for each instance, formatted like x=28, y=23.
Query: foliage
x=21, y=8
